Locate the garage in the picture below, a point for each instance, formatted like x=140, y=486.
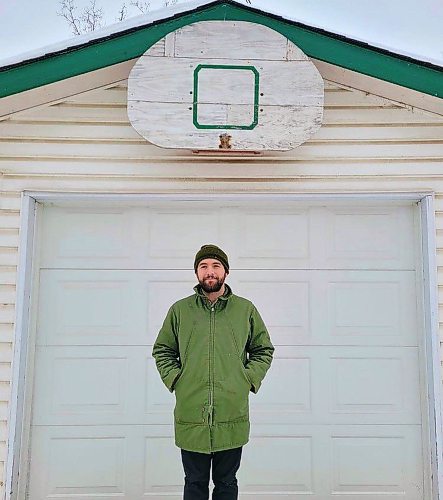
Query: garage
x=314, y=160
x=338, y=283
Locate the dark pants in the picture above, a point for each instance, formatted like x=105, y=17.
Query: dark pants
x=225, y=465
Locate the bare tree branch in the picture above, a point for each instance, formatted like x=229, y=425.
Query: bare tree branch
x=91, y=17
x=122, y=13
x=143, y=7
x=67, y=11
x=89, y=20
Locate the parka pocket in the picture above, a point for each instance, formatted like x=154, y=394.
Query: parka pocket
x=188, y=343
x=177, y=380
x=240, y=359
x=245, y=373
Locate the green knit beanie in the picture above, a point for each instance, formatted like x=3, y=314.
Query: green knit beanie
x=211, y=252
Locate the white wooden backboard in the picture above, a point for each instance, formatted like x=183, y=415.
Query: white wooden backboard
x=235, y=78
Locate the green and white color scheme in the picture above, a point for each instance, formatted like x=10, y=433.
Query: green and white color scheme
x=226, y=76
x=338, y=242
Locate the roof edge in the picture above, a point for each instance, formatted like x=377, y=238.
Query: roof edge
x=130, y=43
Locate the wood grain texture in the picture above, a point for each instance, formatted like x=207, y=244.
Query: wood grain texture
x=219, y=76
x=241, y=39
x=293, y=86
x=291, y=125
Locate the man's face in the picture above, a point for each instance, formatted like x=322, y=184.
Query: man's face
x=211, y=275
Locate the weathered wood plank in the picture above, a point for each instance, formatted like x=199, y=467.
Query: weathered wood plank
x=156, y=81
x=222, y=39
x=158, y=49
x=169, y=44
x=220, y=67
x=291, y=125
x=294, y=53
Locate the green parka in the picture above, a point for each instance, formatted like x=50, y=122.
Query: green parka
x=212, y=355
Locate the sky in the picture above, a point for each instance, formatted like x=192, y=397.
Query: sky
x=409, y=27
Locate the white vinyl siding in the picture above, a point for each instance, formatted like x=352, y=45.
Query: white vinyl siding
x=86, y=144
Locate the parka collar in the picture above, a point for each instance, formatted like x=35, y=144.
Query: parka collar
x=199, y=292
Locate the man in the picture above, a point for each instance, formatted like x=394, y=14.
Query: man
x=212, y=349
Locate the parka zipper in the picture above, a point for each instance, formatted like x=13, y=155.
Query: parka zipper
x=211, y=367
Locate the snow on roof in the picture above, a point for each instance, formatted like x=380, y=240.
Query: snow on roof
x=171, y=11
x=128, y=24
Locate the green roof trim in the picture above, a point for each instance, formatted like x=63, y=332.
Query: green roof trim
x=319, y=44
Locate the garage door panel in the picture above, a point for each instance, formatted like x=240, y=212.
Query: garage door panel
x=326, y=384
x=315, y=307
x=95, y=385
x=283, y=302
x=376, y=462
x=175, y=234
x=125, y=307
x=320, y=462
x=99, y=386
x=157, y=237
x=381, y=383
x=261, y=470
x=81, y=466
x=268, y=237
x=158, y=403
x=287, y=393
x=95, y=237
x=378, y=306
x=370, y=461
x=162, y=471
x=90, y=307
x=380, y=237
x=105, y=462
x=255, y=235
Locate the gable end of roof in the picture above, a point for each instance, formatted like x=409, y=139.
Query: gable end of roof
x=132, y=42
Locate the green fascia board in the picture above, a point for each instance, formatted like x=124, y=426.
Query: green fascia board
x=318, y=44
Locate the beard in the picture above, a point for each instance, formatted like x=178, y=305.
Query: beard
x=215, y=287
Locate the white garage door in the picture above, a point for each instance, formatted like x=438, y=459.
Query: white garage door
x=340, y=414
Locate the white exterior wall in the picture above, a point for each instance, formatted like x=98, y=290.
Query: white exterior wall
x=86, y=144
